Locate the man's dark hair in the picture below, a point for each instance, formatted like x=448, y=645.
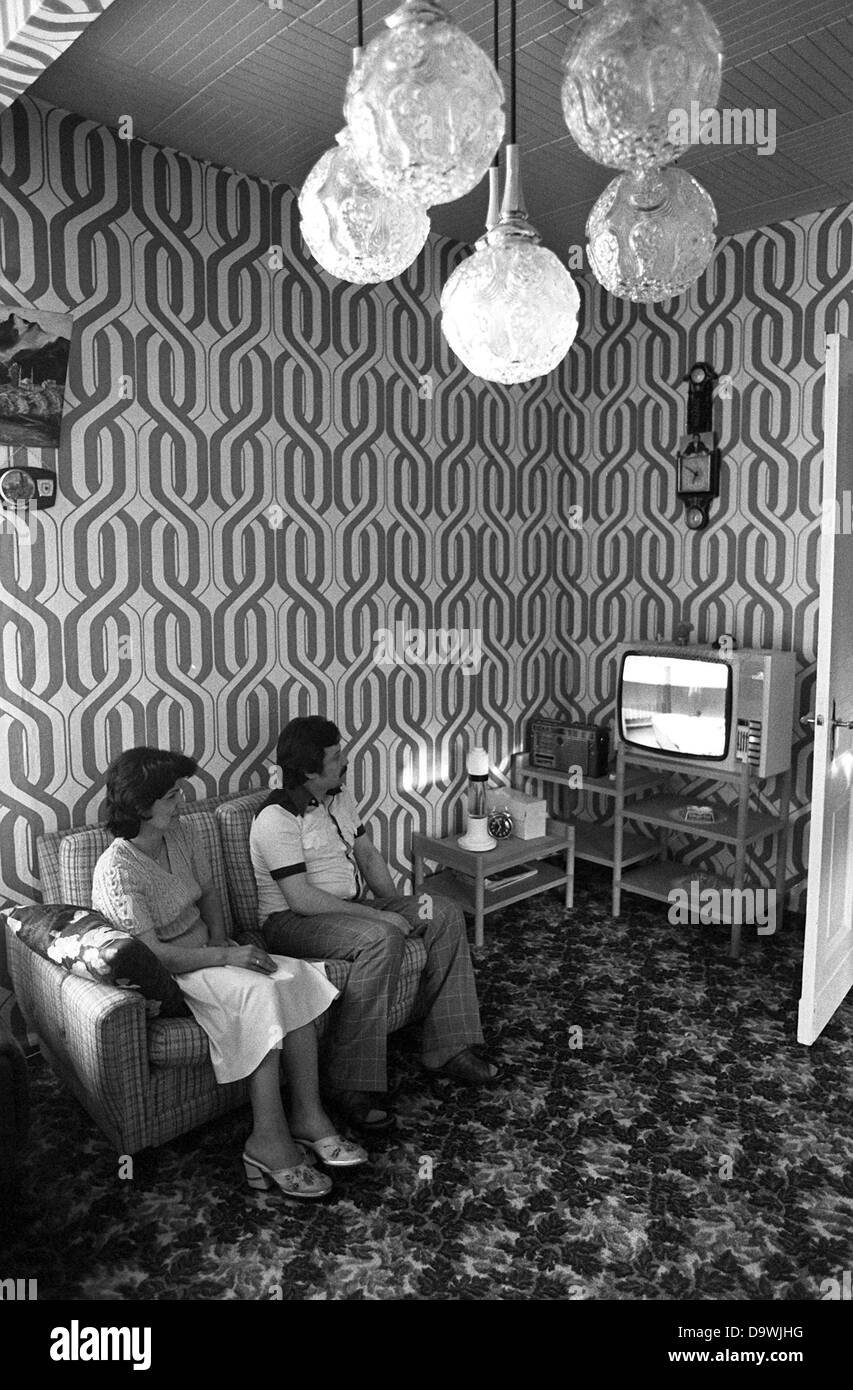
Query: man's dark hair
x=301, y=748
x=300, y=751
x=135, y=780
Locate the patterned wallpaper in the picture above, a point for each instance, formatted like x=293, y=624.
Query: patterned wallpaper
x=35, y=32
x=262, y=470
x=632, y=569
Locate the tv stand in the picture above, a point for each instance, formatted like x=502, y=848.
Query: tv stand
x=593, y=837
x=737, y=825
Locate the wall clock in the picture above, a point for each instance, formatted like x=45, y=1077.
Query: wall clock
x=698, y=461
x=24, y=487
x=696, y=516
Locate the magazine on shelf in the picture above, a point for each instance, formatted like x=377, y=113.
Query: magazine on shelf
x=503, y=877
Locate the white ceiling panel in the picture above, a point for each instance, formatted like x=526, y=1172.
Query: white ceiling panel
x=259, y=87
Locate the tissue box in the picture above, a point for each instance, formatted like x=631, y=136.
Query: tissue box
x=529, y=815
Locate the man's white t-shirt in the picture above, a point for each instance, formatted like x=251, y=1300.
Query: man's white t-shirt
x=318, y=843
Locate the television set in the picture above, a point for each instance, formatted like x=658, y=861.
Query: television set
x=716, y=708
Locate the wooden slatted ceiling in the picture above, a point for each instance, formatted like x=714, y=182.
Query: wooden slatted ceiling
x=261, y=89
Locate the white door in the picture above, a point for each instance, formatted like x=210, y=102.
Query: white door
x=828, y=952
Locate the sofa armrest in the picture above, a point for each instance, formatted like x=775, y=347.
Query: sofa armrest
x=94, y=1034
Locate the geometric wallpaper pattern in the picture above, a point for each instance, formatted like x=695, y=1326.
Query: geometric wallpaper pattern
x=262, y=469
x=35, y=32
x=759, y=315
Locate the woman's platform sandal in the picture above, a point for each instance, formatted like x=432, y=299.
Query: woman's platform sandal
x=300, y=1181
x=334, y=1151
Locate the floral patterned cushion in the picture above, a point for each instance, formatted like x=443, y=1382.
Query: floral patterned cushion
x=85, y=943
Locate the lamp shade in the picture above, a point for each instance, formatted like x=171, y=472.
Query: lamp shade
x=352, y=229
x=630, y=66
x=510, y=311
x=425, y=107
x=477, y=762
x=651, y=235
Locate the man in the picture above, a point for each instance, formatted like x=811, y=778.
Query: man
x=313, y=863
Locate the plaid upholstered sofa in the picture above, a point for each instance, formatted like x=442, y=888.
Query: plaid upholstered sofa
x=146, y=1080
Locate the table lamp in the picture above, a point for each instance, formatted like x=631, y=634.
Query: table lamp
x=477, y=835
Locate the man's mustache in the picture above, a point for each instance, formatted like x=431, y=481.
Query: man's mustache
x=341, y=775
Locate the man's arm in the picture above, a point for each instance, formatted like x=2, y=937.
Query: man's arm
x=302, y=897
x=277, y=843
x=373, y=868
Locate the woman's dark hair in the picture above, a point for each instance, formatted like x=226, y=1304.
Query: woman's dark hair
x=301, y=748
x=135, y=780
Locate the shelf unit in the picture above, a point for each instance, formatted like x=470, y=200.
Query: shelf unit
x=737, y=825
x=593, y=840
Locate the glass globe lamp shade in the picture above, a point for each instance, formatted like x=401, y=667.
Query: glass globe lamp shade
x=651, y=234
x=425, y=107
x=510, y=311
x=633, y=71
x=354, y=231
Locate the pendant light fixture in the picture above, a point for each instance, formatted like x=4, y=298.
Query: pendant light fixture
x=353, y=230
x=628, y=66
x=425, y=107
x=651, y=234
x=510, y=311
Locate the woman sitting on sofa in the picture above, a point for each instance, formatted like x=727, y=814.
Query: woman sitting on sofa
x=155, y=882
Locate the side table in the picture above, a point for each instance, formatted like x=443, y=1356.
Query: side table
x=466, y=870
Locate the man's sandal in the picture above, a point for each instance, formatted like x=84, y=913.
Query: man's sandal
x=360, y=1111
x=468, y=1069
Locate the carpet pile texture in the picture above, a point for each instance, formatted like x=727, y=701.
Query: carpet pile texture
x=660, y=1135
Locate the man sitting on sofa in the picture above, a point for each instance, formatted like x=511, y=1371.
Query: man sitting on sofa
x=313, y=863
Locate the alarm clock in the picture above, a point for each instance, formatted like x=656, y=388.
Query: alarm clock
x=500, y=824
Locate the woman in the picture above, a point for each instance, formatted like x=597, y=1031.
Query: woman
x=154, y=881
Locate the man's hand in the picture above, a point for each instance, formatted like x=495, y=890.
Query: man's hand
x=404, y=927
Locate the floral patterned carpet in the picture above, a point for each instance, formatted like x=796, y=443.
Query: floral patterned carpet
x=660, y=1135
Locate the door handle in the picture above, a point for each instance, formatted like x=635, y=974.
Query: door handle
x=810, y=720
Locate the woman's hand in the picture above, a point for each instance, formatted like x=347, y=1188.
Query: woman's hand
x=250, y=958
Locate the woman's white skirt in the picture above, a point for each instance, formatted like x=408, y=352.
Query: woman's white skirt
x=246, y=1014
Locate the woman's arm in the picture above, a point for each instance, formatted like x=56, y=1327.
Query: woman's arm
x=209, y=904
x=180, y=960
x=121, y=895
x=210, y=911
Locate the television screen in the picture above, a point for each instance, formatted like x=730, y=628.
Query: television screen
x=675, y=704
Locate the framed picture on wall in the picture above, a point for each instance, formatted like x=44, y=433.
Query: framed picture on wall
x=33, y=365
